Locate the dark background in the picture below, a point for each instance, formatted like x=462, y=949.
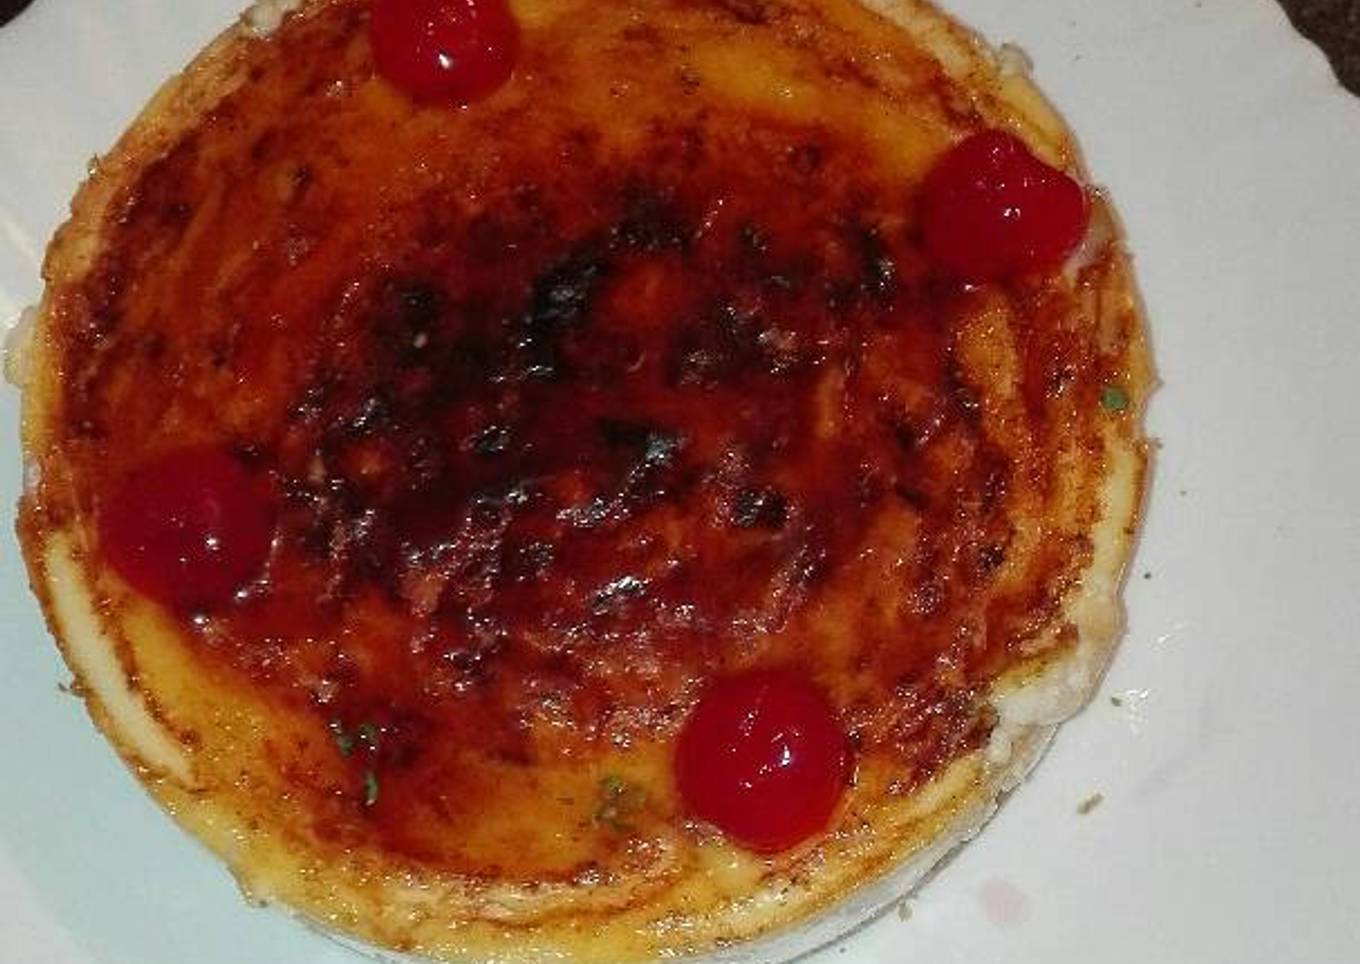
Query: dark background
x=1334, y=25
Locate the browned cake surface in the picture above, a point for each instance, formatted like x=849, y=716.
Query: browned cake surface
x=625, y=378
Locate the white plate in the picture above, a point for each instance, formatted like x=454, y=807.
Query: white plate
x=1230, y=823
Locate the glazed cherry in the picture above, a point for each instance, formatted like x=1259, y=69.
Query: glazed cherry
x=444, y=51
x=188, y=529
x=763, y=758
x=991, y=210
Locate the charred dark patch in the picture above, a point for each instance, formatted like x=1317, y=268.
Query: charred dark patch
x=752, y=239
x=912, y=497
x=529, y=210
x=314, y=400
x=926, y=599
x=962, y=395
x=490, y=441
x=562, y=295
x=806, y=159
x=994, y=473
x=838, y=296
x=372, y=416
x=263, y=145
x=302, y=177
x=868, y=487
x=471, y=660
x=222, y=347
x=688, y=79
x=722, y=345
x=661, y=449
x=946, y=723
x=469, y=362
x=103, y=291
x=154, y=213
x=653, y=459
x=680, y=149
x=851, y=70
x=176, y=215
x=650, y=224
x=906, y=436
x=528, y=562
x=561, y=299
x=878, y=278
x=990, y=558
x=426, y=457
x=756, y=507
x=153, y=346
x=408, y=313
x=490, y=235
x=623, y=434
x=751, y=12
x=1059, y=377
x=863, y=271
x=89, y=429
x=643, y=34
x=616, y=593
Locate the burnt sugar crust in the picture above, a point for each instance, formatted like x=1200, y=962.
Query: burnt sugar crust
x=914, y=494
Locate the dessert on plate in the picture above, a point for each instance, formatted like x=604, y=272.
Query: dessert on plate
x=588, y=480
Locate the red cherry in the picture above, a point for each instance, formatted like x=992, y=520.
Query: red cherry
x=992, y=210
x=763, y=758
x=447, y=51
x=188, y=529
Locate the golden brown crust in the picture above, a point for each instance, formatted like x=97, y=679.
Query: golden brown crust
x=211, y=761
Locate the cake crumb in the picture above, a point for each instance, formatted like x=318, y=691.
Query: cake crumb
x=1090, y=803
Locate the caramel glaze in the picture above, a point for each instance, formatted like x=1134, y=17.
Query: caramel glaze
x=571, y=403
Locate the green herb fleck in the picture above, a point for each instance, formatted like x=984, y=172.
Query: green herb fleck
x=370, y=788
x=618, y=800
x=343, y=741
x=1113, y=398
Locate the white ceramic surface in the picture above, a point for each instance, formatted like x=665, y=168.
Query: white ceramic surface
x=1231, y=791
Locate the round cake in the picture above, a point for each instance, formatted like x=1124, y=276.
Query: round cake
x=585, y=480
